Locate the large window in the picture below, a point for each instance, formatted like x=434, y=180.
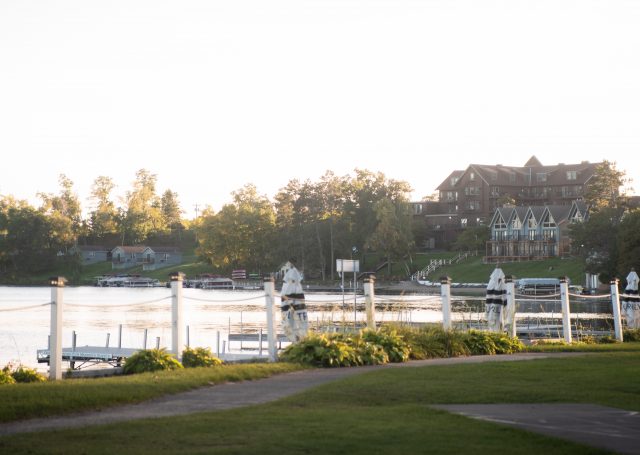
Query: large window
x=572, y=175
x=541, y=176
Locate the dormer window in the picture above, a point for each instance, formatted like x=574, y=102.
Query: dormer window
x=572, y=175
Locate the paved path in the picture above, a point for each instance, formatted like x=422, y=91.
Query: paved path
x=233, y=395
x=599, y=426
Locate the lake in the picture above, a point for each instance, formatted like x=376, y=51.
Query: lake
x=94, y=312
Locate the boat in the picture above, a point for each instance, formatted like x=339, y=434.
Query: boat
x=128, y=281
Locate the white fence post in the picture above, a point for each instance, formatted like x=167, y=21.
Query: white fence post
x=510, y=320
x=615, y=302
x=177, y=327
x=370, y=301
x=55, y=345
x=445, y=294
x=269, y=289
x=566, y=311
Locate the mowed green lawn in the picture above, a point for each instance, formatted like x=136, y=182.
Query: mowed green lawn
x=385, y=411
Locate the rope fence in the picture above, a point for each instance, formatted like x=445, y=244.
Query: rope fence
x=31, y=307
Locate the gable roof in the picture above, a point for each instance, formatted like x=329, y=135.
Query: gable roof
x=533, y=161
x=131, y=249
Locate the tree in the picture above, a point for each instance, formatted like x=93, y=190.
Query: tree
x=103, y=220
x=171, y=212
x=629, y=243
x=392, y=235
x=473, y=238
x=596, y=241
x=143, y=212
x=603, y=189
x=64, y=213
x=26, y=241
x=240, y=235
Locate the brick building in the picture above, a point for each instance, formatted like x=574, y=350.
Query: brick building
x=470, y=197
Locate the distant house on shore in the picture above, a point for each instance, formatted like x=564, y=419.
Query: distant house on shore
x=91, y=254
x=150, y=258
x=533, y=232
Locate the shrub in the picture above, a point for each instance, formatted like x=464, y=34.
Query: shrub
x=393, y=343
x=631, y=335
x=24, y=374
x=150, y=360
x=366, y=353
x=6, y=378
x=490, y=343
x=199, y=357
x=321, y=350
x=480, y=343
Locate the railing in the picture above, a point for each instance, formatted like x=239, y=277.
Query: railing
x=435, y=264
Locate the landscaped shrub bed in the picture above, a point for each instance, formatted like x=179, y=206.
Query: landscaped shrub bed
x=396, y=344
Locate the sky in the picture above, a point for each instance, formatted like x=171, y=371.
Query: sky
x=213, y=95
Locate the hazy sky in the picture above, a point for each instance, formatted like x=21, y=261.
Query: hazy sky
x=211, y=95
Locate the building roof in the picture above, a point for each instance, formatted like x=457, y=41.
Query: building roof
x=525, y=176
x=92, y=248
x=131, y=249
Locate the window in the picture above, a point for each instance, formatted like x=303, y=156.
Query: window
x=472, y=190
x=572, y=175
x=500, y=224
x=473, y=205
x=472, y=176
x=494, y=176
x=463, y=222
x=512, y=178
x=495, y=191
x=454, y=180
x=541, y=176
x=417, y=209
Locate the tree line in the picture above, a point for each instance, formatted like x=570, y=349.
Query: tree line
x=317, y=222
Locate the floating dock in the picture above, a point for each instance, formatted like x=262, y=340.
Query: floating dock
x=89, y=355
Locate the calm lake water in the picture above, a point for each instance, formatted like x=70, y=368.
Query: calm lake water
x=94, y=312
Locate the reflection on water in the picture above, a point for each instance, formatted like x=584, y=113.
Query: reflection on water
x=94, y=312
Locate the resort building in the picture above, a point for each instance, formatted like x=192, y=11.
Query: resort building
x=534, y=232
x=471, y=196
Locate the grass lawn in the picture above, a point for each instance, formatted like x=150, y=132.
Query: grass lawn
x=385, y=411
x=473, y=270
x=22, y=401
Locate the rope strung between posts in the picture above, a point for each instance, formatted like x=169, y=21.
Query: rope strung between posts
x=83, y=305
x=594, y=297
x=31, y=307
x=533, y=297
x=225, y=301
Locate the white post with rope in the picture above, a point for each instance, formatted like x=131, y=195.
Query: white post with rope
x=445, y=294
x=615, y=302
x=177, y=326
x=566, y=312
x=510, y=320
x=269, y=289
x=55, y=345
x=370, y=301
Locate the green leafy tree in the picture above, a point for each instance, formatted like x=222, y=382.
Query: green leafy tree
x=64, y=213
x=103, y=219
x=604, y=188
x=596, y=241
x=472, y=238
x=241, y=234
x=27, y=244
x=143, y=215
x=629, y=243
x=392, y=234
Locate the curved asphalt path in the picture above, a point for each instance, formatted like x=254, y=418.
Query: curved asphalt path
x=584, y=422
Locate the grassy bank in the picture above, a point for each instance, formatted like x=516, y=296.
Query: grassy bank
x=473, y=270
x=21, y=401
x=385, y=411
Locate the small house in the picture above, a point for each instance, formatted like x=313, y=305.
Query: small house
x=91, y=254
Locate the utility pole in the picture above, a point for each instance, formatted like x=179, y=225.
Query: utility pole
x=196, y=206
